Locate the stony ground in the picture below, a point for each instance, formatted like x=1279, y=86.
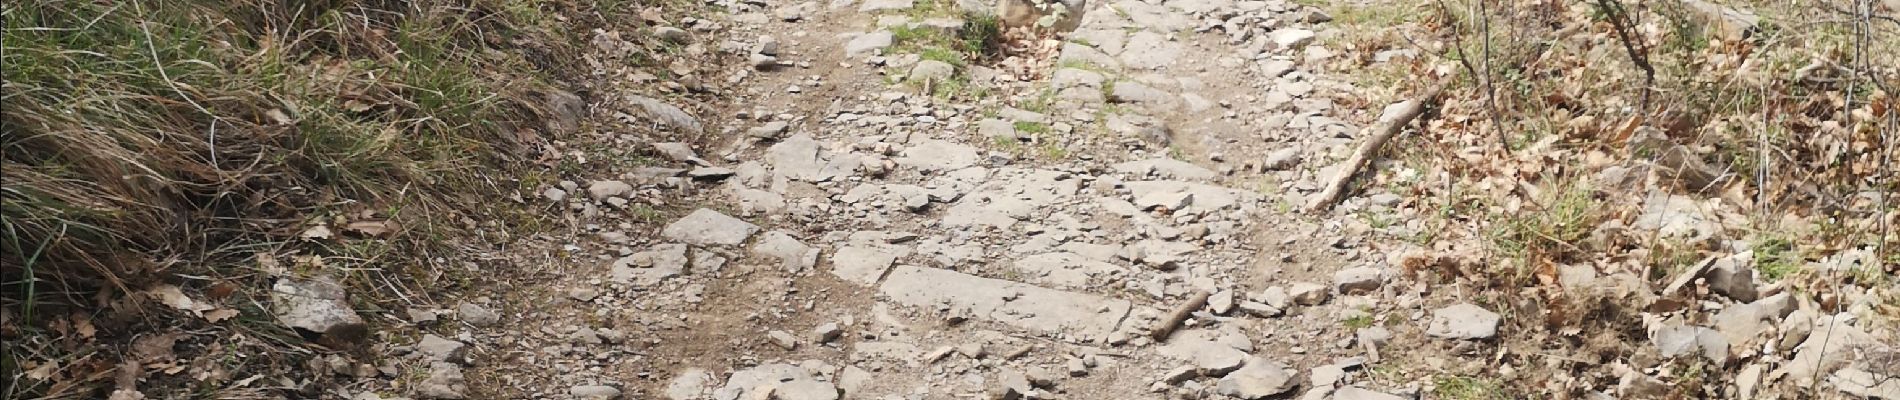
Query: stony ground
x=848, y=234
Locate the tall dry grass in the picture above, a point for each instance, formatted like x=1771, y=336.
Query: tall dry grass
x=148, y=140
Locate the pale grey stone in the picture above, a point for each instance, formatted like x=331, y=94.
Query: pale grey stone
x=1463, y=321
x=706, y=227
x=317, y=305
x=1016, y=304
x=1259, y=379
x=865, y=44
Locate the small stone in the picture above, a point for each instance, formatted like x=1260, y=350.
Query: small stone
x=1178, y=374
x=872, y=6
x=1292, y=38
x=1374, y=334
x=665, y=113
x=671, y=34
x=783, y=339
x=1686, y=339
x=1747, y=380
x=827, y=332
x=794, y=255
x=710, y=173
x=421, y=315
x=770, y=130
x=594, y=392
x=762, y=62
x=1221, y=302
x=445, y=382
x=1216, y=359
x=1463, y=321
x=1165, y=200
x=554, y=195
x=931, y=71
x=1276, y=297
x=582, y=294
x=939, y=353
x=317, y=305
x=1015, y=385
x=768, y=45
x=707, y=227
x=1282, y=159
x=477, y=315
x=601, y=190
x=1317, y=16
x=691, y=384
x=972, y=350
x=681, y=152
x=865, y=44
x=1357, y=393
x=1041, y=377
x=436, y=348
x=1259, y=309
x=1355, y=281
x=790, y=13
x=805, y=389
x=1325, y=376
x=996, y=128
x=1307, y=294
x=1077, y=368
x=1734, y=277
x=1261, y=378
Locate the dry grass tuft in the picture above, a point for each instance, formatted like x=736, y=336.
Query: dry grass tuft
x=148, y=141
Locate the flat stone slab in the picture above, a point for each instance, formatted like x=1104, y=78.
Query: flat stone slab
x=939, y=155
x=1166, y=168
x=863, y=45
x=1463, y=321
x=791, y=253
x=1206, y=197
x=1149, y=50
x=649, y=267
x=884, y=5
x=864, y=264
x=1068, y=270
x=1080, y=315
x=800, y=157
x=706, y=227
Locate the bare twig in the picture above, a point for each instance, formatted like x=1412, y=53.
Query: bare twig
x=1166, y=326
x=1458, y=41
x=1390, y=122
x=1481, y=76
x=1619, y=17
x=1490, y=90
x=1863, y=13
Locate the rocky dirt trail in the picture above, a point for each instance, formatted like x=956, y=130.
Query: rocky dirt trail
x=853, y=236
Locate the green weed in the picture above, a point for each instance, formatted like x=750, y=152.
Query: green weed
x=1468, y=388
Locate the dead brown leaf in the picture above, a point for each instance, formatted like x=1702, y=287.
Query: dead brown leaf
x=375, y=229
x=153, y=348
x=1623, y=132
x=223, y=290
x=318, y=232
x=42, y=371
x=220, y=314
x=82, y=325
x=170, y=295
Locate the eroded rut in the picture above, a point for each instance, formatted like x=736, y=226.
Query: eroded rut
x=858, y=237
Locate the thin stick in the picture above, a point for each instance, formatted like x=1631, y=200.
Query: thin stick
x=1166, y=326
x=1619, y=18
x=1391, y=121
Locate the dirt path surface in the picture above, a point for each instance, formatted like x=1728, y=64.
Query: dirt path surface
x=865, y=221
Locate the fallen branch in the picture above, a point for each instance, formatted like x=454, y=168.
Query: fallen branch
x=1391, y=121
x=1166, y=326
